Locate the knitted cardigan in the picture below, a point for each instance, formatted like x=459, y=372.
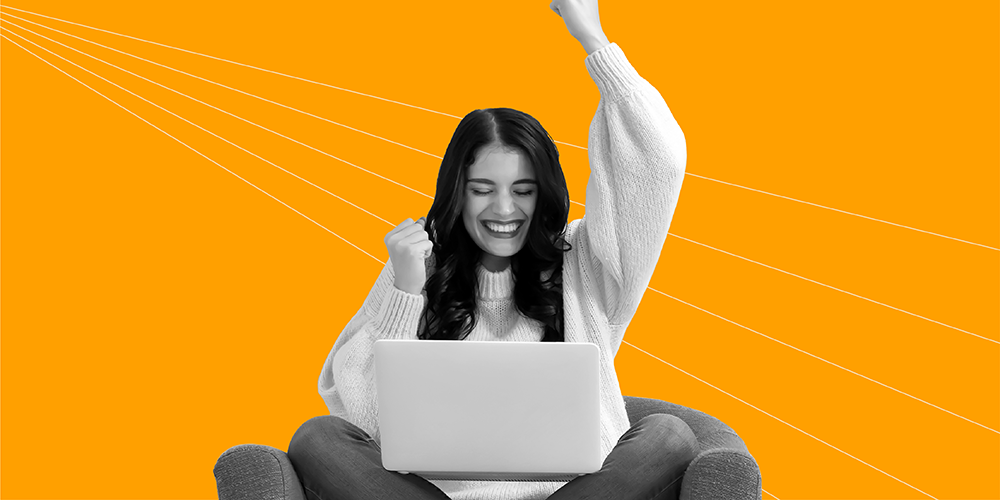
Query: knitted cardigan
x=637, y=158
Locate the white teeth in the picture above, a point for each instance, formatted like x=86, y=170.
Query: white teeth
x=508, y=228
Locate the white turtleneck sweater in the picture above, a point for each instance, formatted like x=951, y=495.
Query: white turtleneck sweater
x=637, y=157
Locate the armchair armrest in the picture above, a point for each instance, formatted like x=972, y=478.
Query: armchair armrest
x=724, y=469
x=253, y=471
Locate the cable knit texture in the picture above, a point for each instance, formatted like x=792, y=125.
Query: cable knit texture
x=637, y=157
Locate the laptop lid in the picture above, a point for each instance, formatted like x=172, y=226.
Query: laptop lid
x=489, y=410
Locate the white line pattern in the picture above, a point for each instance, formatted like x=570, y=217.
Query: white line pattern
x=390, y=224
x=459, y=117
x=358, y=248
x=397, y=183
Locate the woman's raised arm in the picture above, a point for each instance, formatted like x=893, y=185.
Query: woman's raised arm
x=637, y=155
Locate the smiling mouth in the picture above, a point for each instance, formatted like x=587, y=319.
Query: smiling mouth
x=503, y=229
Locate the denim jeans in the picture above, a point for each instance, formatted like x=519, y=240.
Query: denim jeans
x=336, y=460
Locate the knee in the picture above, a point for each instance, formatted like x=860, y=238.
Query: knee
x=672, y=434
x=321, y=432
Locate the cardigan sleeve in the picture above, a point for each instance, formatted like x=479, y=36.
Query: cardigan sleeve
x=347, y=381
x=637, y=156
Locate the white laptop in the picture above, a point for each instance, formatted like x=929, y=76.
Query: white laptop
x=489, y=410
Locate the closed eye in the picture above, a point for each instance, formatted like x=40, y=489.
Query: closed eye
x=478, y=192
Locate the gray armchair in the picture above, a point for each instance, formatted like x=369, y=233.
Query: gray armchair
x=724, y=469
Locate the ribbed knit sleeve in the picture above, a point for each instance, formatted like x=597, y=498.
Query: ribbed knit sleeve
x=347, y=382
x=637, y=155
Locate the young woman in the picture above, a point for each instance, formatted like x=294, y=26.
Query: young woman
x=496, y=260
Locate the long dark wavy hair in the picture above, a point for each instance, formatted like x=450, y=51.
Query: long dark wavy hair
x=451, y=288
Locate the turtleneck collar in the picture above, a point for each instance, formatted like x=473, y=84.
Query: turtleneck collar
x=495, y=285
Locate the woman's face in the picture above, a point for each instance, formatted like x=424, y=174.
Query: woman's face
x=500, y=194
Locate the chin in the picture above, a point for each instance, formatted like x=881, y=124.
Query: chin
x=508, y=252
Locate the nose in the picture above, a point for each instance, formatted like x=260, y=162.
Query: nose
x=504, y=205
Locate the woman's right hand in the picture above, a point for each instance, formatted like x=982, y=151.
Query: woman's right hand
x=409, y=246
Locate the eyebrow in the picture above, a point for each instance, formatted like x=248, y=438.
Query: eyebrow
x=519, y=181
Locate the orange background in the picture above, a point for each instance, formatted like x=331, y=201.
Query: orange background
x=156, y=310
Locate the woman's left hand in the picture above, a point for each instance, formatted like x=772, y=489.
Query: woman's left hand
x=583, y=21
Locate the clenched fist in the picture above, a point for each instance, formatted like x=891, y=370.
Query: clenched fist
x=583, y=22
x=409, y=246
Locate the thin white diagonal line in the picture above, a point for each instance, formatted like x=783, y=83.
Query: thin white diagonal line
x=568, y=144
x=229, y=88
x=224, y=111
x=838, y=289
x=196, y=125
x=193, y=149
x=459, y=117
x=827, y=362
x=843, y=211
x=769, y=493
x=776, y=418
